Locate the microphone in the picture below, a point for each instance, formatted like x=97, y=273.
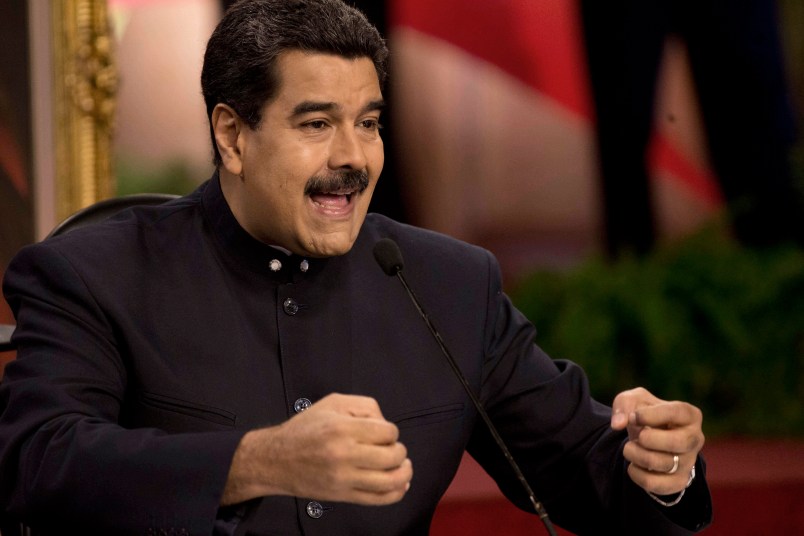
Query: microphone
x=389, y=257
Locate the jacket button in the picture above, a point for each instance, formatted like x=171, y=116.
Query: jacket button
x=301, y=405
x=290, y=306
x=314, y=509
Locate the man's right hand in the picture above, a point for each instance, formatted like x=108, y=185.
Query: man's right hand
x=340, y=449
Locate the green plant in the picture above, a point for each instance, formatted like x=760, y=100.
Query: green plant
x=173, y=177
x=704, y=321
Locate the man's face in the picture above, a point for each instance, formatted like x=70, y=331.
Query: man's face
x=310, y=167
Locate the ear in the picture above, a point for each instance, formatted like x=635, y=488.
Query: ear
x=228, y=126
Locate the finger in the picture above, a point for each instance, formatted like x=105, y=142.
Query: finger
x=338, y=435
x=659, y=483
x=354, y=405
x=619, y=420
x=372, y=431
x=370, y=487
x=385, y=482
x=627, y=403
x=379, y=458
x=351, y=455
x=674, y=441
x=376, y=499
x=374, y=487
x=656, y=461
x=668, y=415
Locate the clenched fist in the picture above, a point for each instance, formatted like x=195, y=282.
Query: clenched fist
x=340, y=449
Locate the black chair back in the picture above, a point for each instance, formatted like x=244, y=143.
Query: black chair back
x=104, y=209
x=86, y=216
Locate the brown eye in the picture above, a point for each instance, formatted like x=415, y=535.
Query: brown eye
x=371, y=124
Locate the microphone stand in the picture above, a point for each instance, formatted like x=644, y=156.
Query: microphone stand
x=395, y=267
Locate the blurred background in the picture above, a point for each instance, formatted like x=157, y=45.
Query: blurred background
x=493, y=134
x=637, y=169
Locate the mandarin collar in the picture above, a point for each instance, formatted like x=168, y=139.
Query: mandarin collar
x=245, y=250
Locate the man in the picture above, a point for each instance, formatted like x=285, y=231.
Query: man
x=235, y=362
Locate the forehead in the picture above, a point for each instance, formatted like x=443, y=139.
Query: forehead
x=318, y=77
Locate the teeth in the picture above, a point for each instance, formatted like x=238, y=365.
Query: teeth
x=348, y=196
x=339, y=192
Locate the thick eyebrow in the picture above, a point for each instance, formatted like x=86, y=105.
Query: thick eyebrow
x=373, y=106
x=307, y=107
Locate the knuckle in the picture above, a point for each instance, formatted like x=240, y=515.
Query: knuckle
x=695, y=442
x=369, y=403
x=677, y=412
x=398, y=480
x=678, y=444
x=629, y=451
x=389, y=431
x=394, y=431
x=388, y=459
x=333, y=429
x=332, y=399
x=408, y=470
x=629, y=393
x=651, y=438
x=686, y=412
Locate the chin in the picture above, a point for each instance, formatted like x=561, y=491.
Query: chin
x=330, y=240
x=329, y=248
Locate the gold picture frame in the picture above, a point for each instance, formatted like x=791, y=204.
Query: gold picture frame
x=74, y=86
x=84, y=102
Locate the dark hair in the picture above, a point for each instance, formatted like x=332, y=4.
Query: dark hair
x=240, y=60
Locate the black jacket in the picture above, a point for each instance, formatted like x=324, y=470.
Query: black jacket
x=150, y=343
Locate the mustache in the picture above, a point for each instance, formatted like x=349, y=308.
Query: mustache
x=339, y=181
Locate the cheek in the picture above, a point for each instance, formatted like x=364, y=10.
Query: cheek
x=377, y=155
x=370, y=190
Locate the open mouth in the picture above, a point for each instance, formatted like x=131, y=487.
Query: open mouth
x=333, y=194
x=332, y=199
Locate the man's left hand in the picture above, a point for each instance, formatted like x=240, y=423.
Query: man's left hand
x=658, y=432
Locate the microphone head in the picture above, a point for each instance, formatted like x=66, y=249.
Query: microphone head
x=388, y=256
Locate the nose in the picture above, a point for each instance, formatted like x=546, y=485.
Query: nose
x=347, y=151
